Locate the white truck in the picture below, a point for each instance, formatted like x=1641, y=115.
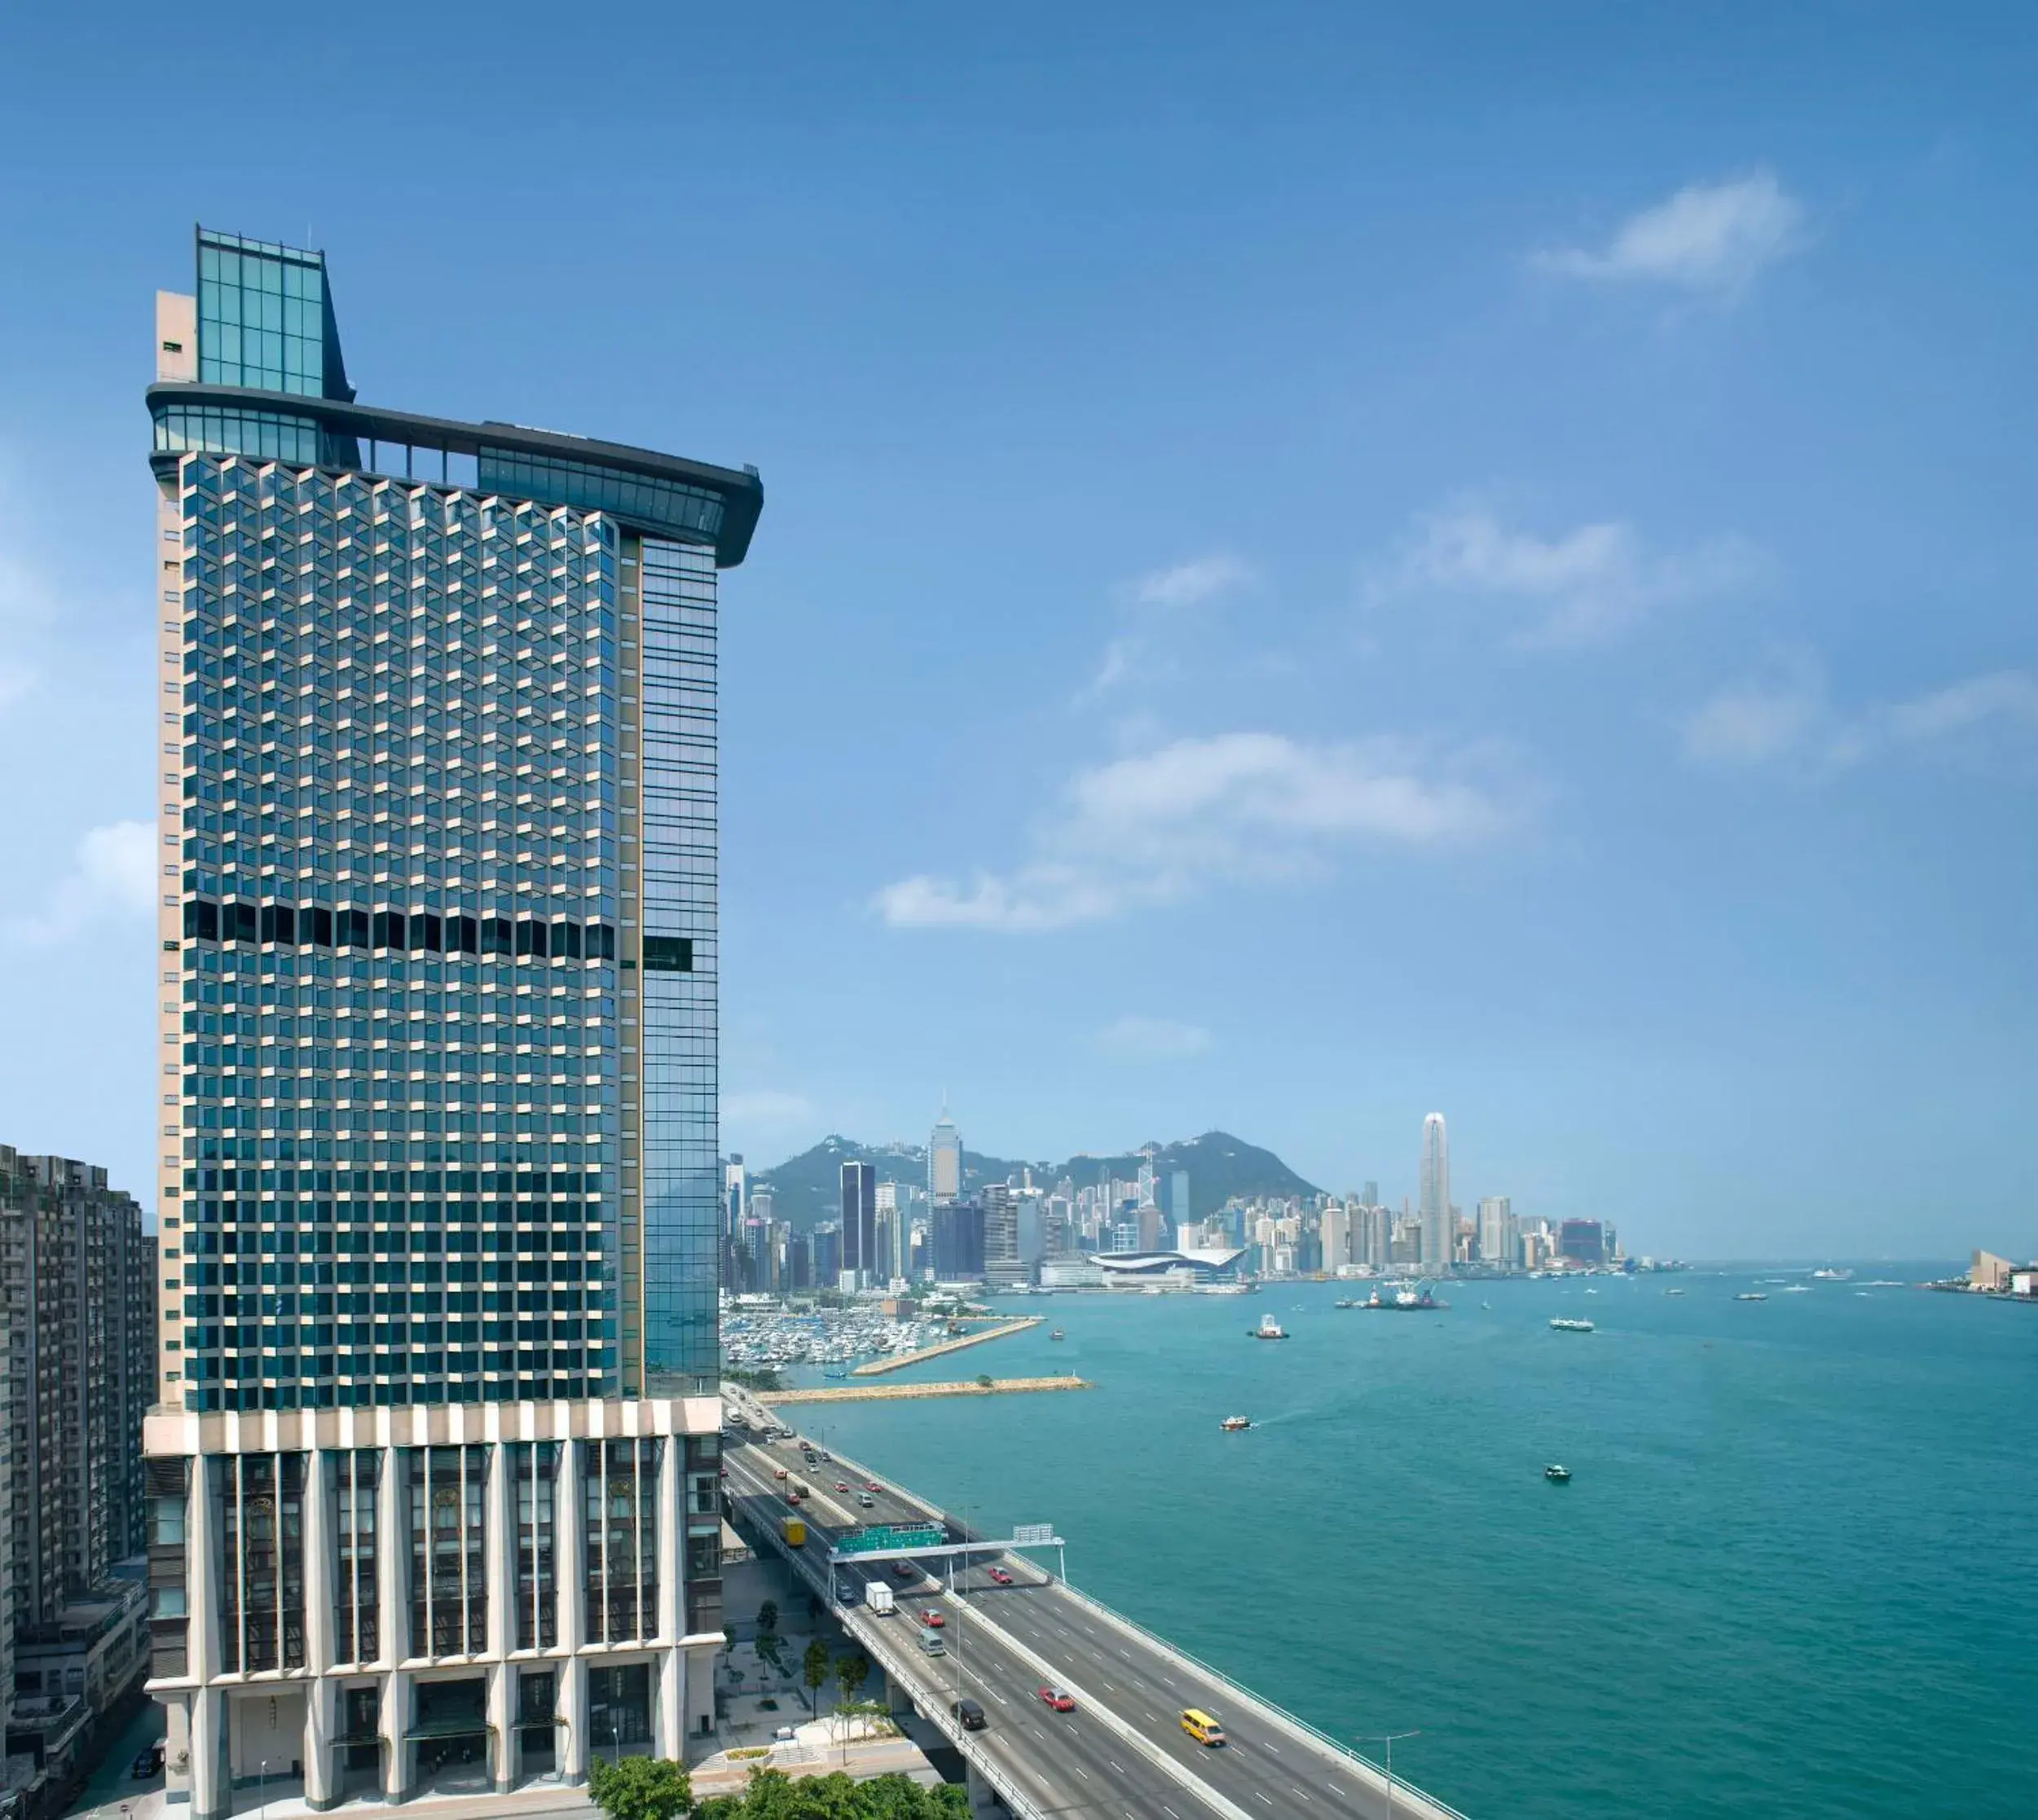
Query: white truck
x=878, y=1596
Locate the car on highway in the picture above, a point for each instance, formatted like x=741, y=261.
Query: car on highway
x=827, y=1456
x=931, y=1618
x=872, y=1485
x=1000, y=1577
x=1059, y=1697
x=1202, y=1726
x=864, y=1500
x=840, y=1486
x=778, y=1472
x=792, y=1497
x=969, y=1713
x=903, y=1572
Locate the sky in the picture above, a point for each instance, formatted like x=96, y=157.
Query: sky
x=1319, y=564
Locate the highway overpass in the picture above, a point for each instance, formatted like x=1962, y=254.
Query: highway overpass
x=1122, y=1752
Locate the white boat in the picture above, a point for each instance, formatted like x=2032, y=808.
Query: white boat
x=1751, y=1295
x=1560, y=1324
x=1269, y=1329
x=1831, y=1275
x=1232, y=1424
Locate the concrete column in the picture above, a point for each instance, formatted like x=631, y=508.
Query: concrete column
x=176, y=1745
x=499, y=1555
x=210, y=1798
x=983, y=1799
x=700, y=1690
x=321, y=1771
x=498, y=1551
x=201, y=1572
x=671, y=1520
x=320, y=1699
x=392, y=1559
x=669, y=1722
x=572, y=1574
x=395, y=1720
x=502, y=1762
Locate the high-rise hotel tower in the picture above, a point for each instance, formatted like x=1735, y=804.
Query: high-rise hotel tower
x=433, y=1481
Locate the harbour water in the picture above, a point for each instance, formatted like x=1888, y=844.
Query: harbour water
x=1794, y=1573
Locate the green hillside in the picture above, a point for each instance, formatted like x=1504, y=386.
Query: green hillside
x=807, y=1188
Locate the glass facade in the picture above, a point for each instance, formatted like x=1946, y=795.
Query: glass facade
x=265, y=320
x=682, y=1168
x=685, y=512
x=402, y=894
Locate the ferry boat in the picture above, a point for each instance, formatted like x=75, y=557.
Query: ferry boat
x=1269, y=1329
x=1557, y=1475
x=1831, y=1275
x=1563, y=1324
x=1232, y=1424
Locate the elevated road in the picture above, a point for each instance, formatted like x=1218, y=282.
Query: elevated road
x=1122, y=1752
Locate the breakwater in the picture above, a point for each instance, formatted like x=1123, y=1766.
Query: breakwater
x=897, y=1361
x=871, y=1393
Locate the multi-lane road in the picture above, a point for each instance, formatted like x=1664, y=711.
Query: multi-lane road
x=1122, y=1751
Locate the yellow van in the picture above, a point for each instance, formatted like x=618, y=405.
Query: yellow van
x=1202, y=1727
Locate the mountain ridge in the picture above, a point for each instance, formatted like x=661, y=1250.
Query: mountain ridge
x=807, y=1188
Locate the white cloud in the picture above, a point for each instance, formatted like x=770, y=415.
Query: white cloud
x=1136, y=1039
x=112, y=878
x=1712, y=237
x=1582, y=586
x=1153, y=606
x=2003, y=695
x=1162, y=825
x=1188, y=583
x=1752, y=724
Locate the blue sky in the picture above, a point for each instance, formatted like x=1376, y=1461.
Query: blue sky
x=1319, y=563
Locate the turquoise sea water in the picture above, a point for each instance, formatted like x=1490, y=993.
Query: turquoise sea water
x=1795, y=1574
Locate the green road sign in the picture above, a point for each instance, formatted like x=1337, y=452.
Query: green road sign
x=885, y=1534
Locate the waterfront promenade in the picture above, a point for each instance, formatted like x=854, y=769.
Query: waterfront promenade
x=1122, y=1750
x=898, y=1361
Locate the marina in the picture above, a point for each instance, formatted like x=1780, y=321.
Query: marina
x=878, y=1393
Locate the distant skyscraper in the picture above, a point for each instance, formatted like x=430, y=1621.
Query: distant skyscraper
x=957, y=1242
x=735, y=1194
x=1436, y=1194
x=944, y=1161
x=859, y=1221
x=1371, y=1195
x=1178, y=1197
x=1496, y=1230
x=1583, y=1240
x=436, y=1420
x=1001, y=1264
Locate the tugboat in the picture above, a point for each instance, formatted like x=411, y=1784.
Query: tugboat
x=1232, y=1424
x=1557, y=1475
x=1269, y=1329
x=1563, y=1325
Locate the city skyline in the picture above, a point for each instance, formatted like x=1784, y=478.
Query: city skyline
x=1612, y=639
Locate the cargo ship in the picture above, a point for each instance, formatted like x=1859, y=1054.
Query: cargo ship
x=1405, y=1301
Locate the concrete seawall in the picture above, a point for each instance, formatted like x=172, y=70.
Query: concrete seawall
x=862, y=1393
x=899, y=1360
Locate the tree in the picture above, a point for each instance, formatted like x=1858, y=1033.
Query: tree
x=983, y=1380
x=640, y=1788
x=769, y=1645
x=773, y=1796
x=851, y=1671
x=813, y=1668
x=767, y=1615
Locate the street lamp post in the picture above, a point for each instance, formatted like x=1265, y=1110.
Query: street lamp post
x=1388, y=1740
x=264, y=1796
